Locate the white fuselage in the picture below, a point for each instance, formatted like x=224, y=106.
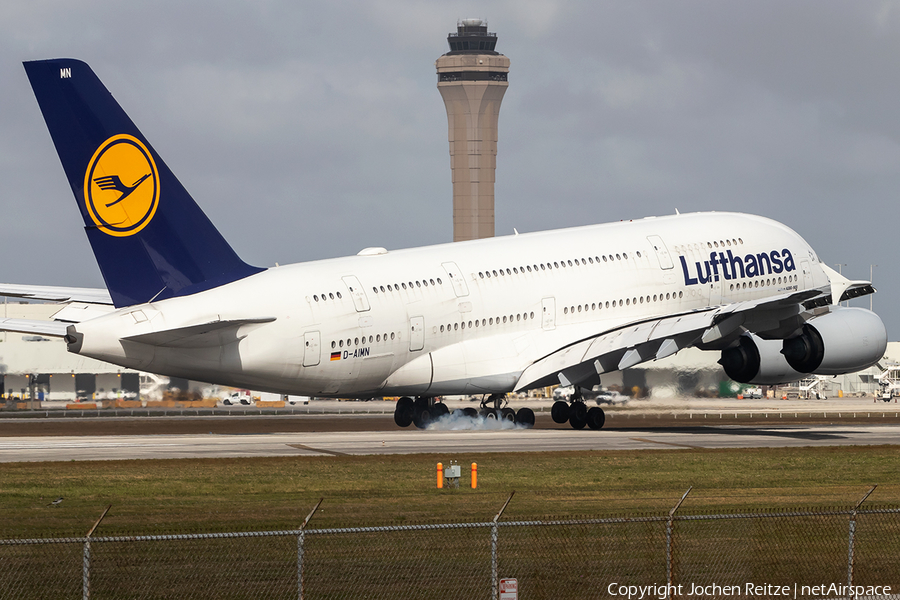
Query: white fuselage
x=461, y=318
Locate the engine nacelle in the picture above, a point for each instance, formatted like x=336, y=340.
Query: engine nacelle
x=843, y=341
x=758, y=361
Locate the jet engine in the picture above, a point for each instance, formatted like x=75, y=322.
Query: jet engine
x=844, y=340
x=758, y=361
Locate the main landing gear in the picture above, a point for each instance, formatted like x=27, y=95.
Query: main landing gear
x=577, y=413
x=493, y=407
x=423, y=411
x=420, y=411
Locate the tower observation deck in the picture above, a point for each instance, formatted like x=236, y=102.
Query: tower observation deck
x=472, y=79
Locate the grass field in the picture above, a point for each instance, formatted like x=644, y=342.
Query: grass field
x=172, y=496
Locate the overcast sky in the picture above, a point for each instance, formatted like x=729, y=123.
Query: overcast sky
x=313, y=129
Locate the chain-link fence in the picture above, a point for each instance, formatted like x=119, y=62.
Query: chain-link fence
x=653, y=556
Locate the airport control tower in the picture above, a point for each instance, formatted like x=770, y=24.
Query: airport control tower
x=472, y=79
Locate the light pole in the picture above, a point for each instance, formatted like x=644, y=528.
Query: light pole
x=871, y=273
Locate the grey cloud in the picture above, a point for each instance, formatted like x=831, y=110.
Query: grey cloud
x=313, y=129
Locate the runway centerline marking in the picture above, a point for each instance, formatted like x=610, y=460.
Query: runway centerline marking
x=319, y=450
x=666, y=443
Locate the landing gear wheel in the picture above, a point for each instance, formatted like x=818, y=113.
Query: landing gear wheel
x=508, y=414
x=470, y=412
x=560, y=411
x=422, y=417
x=403, y=412
x=490, y=415
x=423, y=412
x=578, y=415
x=525, y=417
x=439, y=410
x=596, y=418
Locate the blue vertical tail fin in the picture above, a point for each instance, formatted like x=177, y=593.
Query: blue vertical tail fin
x=149, y=237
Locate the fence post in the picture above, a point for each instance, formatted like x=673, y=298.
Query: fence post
x=494, y=568
x=301, y=537
x=853, y=535
x=670, y=548
x=86, y=559
x=86, y=571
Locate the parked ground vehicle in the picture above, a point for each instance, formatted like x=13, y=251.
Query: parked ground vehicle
x=889, y=380
x=753, y=393
x=610, y=397
x=238, y=397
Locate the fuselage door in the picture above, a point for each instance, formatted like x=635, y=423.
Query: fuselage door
x=456, y=279
x=715, y=291
x=416, y=333
x=548, y=314
x=310, y=348
x=662, y=253
x=360, y=301
x=808, y=279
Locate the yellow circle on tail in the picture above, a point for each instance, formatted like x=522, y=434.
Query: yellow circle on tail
x=121, y=186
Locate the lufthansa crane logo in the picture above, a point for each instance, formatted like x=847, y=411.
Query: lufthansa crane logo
x=121, y=186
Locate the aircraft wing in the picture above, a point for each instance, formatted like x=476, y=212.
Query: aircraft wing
x=56, y=294
x=47, y=328
x=582, y=362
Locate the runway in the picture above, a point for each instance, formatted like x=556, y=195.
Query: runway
x=213, y=445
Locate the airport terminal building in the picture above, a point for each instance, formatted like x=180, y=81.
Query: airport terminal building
x=41, y=368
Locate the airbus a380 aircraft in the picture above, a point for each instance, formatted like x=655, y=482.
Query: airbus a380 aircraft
x=483, y=317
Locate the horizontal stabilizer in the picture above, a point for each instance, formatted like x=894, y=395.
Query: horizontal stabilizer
x=214, y=333
x=48, y=328
x=56, y=294
x=76, y=312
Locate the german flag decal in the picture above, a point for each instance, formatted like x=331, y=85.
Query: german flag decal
x=335, y=356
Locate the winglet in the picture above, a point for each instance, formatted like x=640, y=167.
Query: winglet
x=843, y=288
